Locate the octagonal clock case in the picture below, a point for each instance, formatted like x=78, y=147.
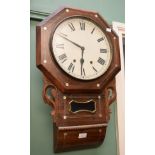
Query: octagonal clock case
x=78, y=54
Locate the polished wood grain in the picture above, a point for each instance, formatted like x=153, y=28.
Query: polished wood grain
x=69, y=140
x=69, y=126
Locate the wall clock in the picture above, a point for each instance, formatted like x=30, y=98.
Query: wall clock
x=78, y=54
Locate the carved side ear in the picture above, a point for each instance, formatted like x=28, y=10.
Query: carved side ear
x=111, y=92
x=49, y=93
x=110, y=96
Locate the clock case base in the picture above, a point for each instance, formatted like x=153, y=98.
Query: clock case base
x=81, y=130
x=68, y=140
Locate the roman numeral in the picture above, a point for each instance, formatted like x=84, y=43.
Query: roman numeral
x=94, y=69
x=73, y=69
x=82, y=25
x=103, y=50
x=101, y=61
x=71, y=26
x=92, y=30
x=100, y=39
x=60, y=46
x=70, y=67
x=64, y=60
x=62, y=56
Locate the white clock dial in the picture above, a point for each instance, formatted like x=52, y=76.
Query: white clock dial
x=81, y=48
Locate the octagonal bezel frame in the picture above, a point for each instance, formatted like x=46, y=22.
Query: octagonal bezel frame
x=46, y=62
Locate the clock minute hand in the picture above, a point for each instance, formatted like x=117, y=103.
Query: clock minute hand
x=82, y=48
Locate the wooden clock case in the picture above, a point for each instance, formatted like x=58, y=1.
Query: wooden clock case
x=83, y=128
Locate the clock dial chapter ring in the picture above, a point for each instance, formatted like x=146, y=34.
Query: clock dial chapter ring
x=95, y=47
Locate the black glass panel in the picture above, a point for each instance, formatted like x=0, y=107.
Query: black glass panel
x=82, y=106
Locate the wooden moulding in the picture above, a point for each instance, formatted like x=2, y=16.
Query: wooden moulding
x=67, y=140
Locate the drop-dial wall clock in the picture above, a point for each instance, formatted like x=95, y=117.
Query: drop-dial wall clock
x=78, y=54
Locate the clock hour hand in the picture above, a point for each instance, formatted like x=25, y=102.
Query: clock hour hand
x=82, y=48
x=82, y=61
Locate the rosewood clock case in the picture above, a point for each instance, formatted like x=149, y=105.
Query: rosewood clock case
x=80, y=108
